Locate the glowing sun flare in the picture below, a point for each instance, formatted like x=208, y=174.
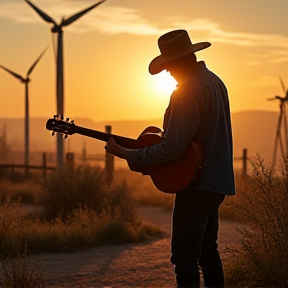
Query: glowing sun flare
x=165, y=83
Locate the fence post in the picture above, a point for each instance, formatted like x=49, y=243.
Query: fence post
x=70, y=160
x=109, y=160
x=244, y=159
x=84, y=157
x=44, y=164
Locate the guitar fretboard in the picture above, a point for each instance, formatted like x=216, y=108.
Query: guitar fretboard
x=122, y=141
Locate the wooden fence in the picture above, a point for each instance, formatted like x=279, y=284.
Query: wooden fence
x=108, y=160
x=44, y=167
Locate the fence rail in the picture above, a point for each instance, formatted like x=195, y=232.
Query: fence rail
x=27, y=167
x=108, y=160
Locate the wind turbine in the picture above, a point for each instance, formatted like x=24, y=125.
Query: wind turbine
x=281, y=119
x=26, y=81
x=57, y=28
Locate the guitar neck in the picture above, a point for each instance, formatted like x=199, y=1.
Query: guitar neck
x=122, y=141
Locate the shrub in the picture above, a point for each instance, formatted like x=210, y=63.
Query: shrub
x=69, y=189
x=104, y=216
x=12, y=223
x=21, y=271
x=261, y=256
x=27, y=191
x=20, y=233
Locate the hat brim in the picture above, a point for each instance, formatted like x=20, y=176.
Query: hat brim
x=158, y=63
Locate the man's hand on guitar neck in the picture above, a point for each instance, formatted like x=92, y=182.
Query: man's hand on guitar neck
x=119, y=151
x=115, y=149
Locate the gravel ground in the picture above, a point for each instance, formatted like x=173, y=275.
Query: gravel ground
x=125, y=266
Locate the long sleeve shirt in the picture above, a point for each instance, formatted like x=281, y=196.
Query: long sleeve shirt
x=198, y=109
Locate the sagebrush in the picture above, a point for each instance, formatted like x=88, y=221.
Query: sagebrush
x=261, y=256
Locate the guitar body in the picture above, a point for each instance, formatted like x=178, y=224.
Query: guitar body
x=175, y=175
x=169, y=177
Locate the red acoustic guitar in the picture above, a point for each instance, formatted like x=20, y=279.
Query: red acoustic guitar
x=170, y=177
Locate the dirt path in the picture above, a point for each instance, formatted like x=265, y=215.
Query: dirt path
x=125, y=266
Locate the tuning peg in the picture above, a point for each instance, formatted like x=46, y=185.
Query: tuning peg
x=66, y=136
x=55, y=116
x=53, y=133
x=72, y=121
x=67, y=119
x=62, y=117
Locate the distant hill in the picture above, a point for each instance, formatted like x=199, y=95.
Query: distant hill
x=42, y=141
x=254, y=130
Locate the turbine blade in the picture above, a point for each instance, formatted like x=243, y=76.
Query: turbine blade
x=282, y=84
x=13, y=73
x=35, y=63
x=79, y=14
x=42, y=14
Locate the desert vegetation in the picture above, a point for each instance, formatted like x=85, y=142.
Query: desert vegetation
x=261, y=257
x=72, y=209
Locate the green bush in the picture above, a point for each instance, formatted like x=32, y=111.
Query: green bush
x=261, y=256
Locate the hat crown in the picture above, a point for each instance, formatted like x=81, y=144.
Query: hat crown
x=174, y=45
x=174, y=42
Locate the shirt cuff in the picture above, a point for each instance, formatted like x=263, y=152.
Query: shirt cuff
x=133, y=160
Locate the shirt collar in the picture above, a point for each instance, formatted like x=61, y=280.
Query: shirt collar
x=197, y=66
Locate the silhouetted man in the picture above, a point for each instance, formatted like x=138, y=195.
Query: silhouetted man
x=198, y=109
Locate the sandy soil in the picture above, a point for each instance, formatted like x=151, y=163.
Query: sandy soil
x=125, y=266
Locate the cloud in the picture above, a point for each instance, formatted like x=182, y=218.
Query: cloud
x=275, y=47
x=213, y=31
x=262, y=81
x=108, y=18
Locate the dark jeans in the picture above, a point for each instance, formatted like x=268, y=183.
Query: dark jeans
x=194, y=238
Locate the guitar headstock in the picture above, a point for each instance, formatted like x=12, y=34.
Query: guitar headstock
x=59, y=125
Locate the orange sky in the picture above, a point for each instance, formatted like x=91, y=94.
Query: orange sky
x=107, y=53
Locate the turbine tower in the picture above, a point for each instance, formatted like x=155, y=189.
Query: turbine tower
x=282, y=119
x=26, y=81
x=57, y=28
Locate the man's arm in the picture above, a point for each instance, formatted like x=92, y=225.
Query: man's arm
x=115, y=149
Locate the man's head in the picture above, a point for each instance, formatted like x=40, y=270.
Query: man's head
x=173, y=46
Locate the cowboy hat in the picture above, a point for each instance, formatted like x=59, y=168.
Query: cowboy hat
x=174, y=45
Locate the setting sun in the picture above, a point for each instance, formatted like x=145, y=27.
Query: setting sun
x=164, y=83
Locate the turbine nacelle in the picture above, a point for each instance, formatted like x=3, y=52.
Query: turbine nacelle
x=282, y=99
x=56, y=29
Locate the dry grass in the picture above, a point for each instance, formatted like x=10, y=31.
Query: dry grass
x=20, y=271
x=261, y=258
x=143, y=192
x=89, y=215
x=28, y=190
x=80, y=212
